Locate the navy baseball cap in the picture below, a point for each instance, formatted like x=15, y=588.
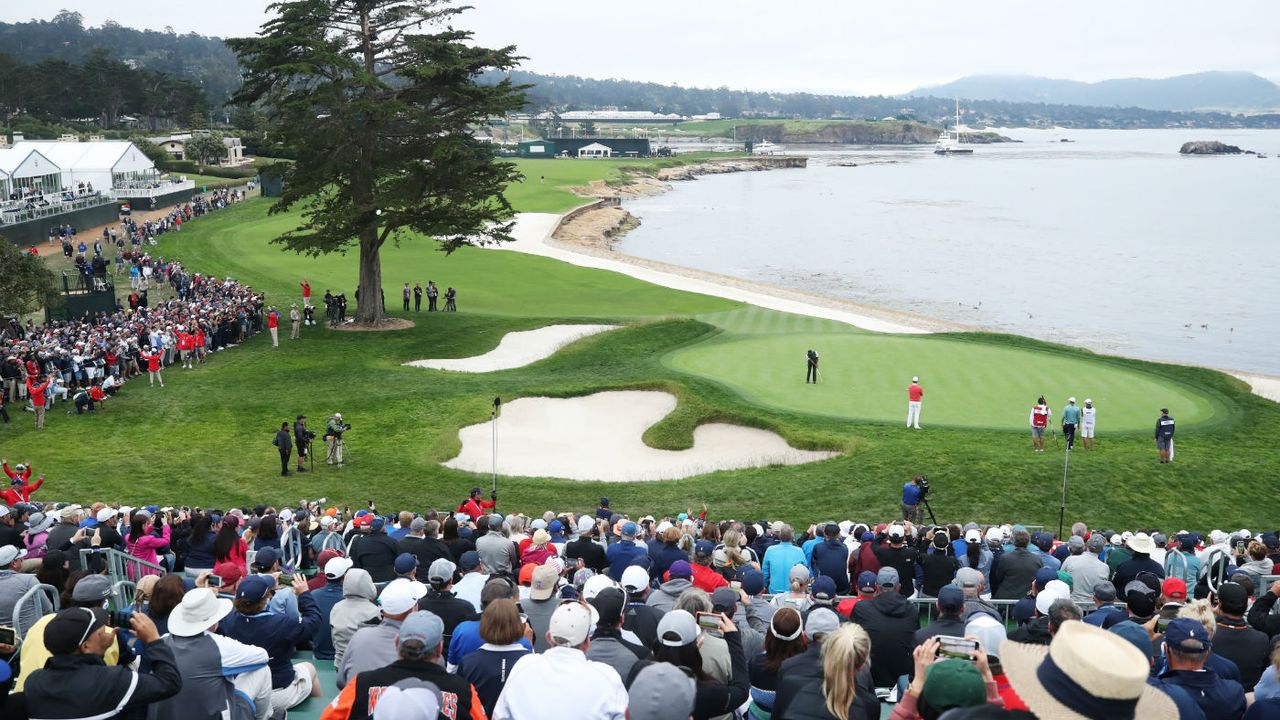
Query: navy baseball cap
x=823, y=589
x=405, y=563
x=950, y=597
x=555, y=526
x=866, y=580
x=753, y=582
x=1043, y=577
x=705, y=548
x=254, y=587
x=470, y=560
x=265, y=558
x=1187, y=636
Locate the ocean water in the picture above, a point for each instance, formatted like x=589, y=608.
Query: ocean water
x=1113, y=242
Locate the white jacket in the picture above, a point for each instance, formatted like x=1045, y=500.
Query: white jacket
x=598, y=692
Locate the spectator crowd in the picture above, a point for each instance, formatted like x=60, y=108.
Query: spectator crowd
x=476, y=613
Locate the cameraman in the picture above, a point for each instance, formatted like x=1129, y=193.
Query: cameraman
x=333, y=436
x=302, y=438
x=912, y=493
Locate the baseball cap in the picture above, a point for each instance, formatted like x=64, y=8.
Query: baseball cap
x=823, y=589
x=1174, y=589
x=229, y=572
x=953, y=683
x=1104, y=591
x=266, y=558
x=106, y=514
x=401, y=595
x=1054, y=590
x=973, y=536
x=1233, y=597
x=441, y=571
x=70, y=627
x=337, y=567
x=594, y=584
x=9, y=553
x=1187, y=636
x=1071, y=399
x=92, y=588
x=798, y=573
x=680, y=568
x=636, y=578
x=545, y=579
x=896, y=530
x=677, y=629
x=409, y=699
x=1096, y=543
x=609, y=603
x=630, y=529
x=1136, y=635
x=753, y=582
x=538, y=524
x=866, y=580
x=418, y=525
x=704, y=548
x=585, y=525
x=555, y=526
x=950, y=597
x=424, y=626
x=470, y=560
x=915, y=379
x=887, y=577
x=406, y=563
x=661, y=691
x=967, y=577
x=821, y=621
x=254, y=587
x=571, y=624
x=1043, y=577
x=1075, y=542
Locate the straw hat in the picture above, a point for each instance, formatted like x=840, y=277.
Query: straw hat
x=199, y=610
x=1086, y=673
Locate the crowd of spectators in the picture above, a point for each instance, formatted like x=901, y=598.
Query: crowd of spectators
x=477, y=613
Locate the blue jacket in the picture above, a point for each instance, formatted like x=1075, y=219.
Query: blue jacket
x=777, y=563
x=1220, y=699
x=1187, y=707
x=276, y=633
x=622, y=555
x=326, y=597
x=663, y=558
x=911, y=494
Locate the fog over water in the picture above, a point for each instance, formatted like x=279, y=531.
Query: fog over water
x=1113, y=242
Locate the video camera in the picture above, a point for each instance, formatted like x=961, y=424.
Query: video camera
x=923, y=482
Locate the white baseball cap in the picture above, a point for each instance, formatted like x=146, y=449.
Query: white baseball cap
x=915, y=379
x=635, y=578
x=1087, y=401
x=400, y=595
x=1071, y=399
x=106, y=514
x=337, y=567
x=570, y=624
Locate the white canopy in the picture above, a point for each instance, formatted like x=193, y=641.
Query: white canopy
x=99, y=162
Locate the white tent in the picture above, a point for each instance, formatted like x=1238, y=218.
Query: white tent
x=595, y=150
x=103, y=163
x=27, y=167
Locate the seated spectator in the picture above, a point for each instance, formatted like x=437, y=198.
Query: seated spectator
x=783, y=640
x=679, y=638
x=891, y=622
x=643, y=620
x=598, y=692
x=991, y=633
x=254, y=623
x=1016, y=570
x=1234, y=640
x=374, y=646
x=54, y=570
x=1049, y=614
x=539, y=550
x=488, y=668
x=1187, y=645
x=1106, y=613
x=703, y=576
x=626, y=552
x=940, y=684
x=356, y=609
x=441, y=601
x=585, y=548
x=466, y=636
x=165, y=595
x=1202, y=612
x=333, y=572
x=797, y=594
x=418, y=649
x=1141, y=545
x=205, y=661
x=14, y=584
x=866, y=589
x=474, y=578
x=948, y=621
x=373, y=551
x=75, y=682
x=661, y=691
x=663, y=599
x=85, y=591
x=830, y=558
x=422, y=542
x=608, y=644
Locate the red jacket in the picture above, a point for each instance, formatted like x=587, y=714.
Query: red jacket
x=21, y=492
x=475, y=508
x=37, y=392
x=153, y=362
x=273, y=320
x=704, y=578
x=25, y=476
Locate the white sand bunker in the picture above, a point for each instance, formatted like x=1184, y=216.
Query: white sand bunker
x=517, y=349
x=598, y=437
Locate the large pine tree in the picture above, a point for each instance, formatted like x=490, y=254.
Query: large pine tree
x=376, y=97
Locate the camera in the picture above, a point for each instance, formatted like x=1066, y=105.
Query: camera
x=309, y=435
x=924, y=484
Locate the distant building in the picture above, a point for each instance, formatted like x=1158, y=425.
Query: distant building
x=595, y=147
x=613, y=115
x=708, y=116
x=176, y=145
x=595, y=150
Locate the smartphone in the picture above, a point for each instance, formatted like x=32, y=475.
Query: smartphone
x=735, y=584
x=956, y=647
x=710, y=621
x=8, y=636
x=213, y=581
x=286, y=579
x=524, y=620
x=1240, y=547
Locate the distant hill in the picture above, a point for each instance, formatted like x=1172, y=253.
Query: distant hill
x=206, y=60
x=1235, y=91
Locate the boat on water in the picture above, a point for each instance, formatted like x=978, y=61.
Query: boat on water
x=725, y=148
x=950, y=143
x=764, y=147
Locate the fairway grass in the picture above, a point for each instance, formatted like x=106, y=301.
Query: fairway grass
x=205, y=438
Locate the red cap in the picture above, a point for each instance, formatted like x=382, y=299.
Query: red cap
x=229, y=572
x=363, y=520
x=1174, y=589
x=526, y=574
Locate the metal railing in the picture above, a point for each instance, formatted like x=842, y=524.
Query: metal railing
x=122, y=566
x=46, y=599
x=163, y=188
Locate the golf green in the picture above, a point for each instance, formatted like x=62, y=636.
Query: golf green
x=864, y=376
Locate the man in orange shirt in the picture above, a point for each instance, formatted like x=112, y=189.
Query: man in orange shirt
x=915, y=395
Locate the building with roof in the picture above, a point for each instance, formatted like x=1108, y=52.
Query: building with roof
x=104, y=164
x=176, y=145
x=596, y=147
x=595, y=150
x=27, y=171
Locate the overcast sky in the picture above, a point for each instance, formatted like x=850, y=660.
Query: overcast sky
x=836, y=46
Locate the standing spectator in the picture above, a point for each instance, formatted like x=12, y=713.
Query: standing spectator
x=284, y=443
x=406, y=293
x=306, y=292
x=779, y=559
x=915, y=398
x=1164, y=436
x=273, y=324
x=938, y=566
x=228, y=546
x=831, y=558
x=1070, y=420
x=254, y=623
x=451, y=300
x=1016, y=570
x=373, y=551
x=1181, y=562
x=76, y=683
x=1084, y=566
x=417, y=300
x=36, y=391
x=153, y=365
x=599, y=692
x=583, y=548
x=626, y=552
x=1142, y=546
x=432, y=293
x=891, y=621
x=496, y=550
x=898, y=556
x=295, y=322
x=147, y=543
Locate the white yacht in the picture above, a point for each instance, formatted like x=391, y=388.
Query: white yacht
x=764, y=147
x=950, y=143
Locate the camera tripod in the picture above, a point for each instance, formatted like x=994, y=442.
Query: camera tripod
x=925, y=501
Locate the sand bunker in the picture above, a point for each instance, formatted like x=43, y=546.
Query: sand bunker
x=598, y=437
x=517, y=349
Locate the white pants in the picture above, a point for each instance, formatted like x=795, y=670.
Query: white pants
x=913, y=413
x=1086, y=431
x=275, y=337
x=295, y=692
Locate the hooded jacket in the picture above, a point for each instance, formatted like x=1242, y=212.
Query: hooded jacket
x=891, y=621
x=664, y=598
x=354, y=611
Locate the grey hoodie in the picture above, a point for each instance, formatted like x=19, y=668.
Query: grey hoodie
x=355, y=610
x=664, y=598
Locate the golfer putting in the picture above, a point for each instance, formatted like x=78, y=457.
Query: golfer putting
x=811, y=367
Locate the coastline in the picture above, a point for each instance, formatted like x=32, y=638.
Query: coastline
x=586, y=236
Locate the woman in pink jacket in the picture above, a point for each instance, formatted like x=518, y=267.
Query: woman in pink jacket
x=143, y=543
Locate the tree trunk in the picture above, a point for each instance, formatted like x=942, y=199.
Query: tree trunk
x=370, y=310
